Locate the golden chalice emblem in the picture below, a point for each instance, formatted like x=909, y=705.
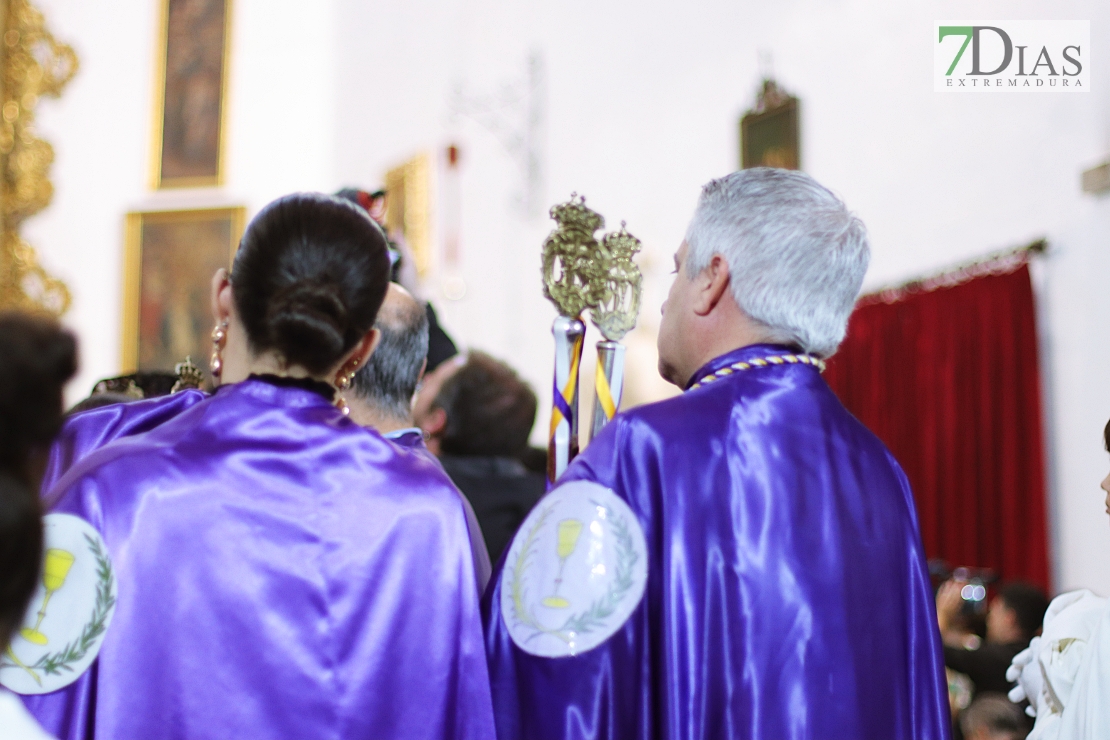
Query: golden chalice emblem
x=55, y=568
x=566, y=541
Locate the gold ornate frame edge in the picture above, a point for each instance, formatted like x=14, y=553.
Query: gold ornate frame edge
x=3, y=54
x=3, y=62
x=45, y=67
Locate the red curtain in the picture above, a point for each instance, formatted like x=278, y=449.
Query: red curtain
x=948, y=378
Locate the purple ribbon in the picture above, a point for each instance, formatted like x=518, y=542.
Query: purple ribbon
x=562, y=405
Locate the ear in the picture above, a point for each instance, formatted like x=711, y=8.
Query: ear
x=221, y=296
x=435, y=421
x=360, y=353
x=420, y=375
x=710, y=285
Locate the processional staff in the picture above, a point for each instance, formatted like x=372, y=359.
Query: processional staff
x=580, y=272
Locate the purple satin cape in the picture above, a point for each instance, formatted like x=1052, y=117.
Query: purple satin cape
x=413, y=441
x=787, y=592
x=90, y=430
x=282, y=573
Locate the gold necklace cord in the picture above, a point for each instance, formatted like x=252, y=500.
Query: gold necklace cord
x=769, y=361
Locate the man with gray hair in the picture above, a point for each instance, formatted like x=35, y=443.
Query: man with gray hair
x=382, y=390
x=743, y=560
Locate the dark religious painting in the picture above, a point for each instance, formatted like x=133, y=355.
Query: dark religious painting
x=170, y=259
x=769, y=132
x=190, y=121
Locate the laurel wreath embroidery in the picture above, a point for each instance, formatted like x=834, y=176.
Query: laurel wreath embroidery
x=601, y=609
x=53, y=664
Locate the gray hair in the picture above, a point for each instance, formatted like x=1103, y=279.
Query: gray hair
x=796, y=255
x=388, y=380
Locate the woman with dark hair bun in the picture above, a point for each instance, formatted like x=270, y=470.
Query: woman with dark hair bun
x=310, y=275
x=282, y=572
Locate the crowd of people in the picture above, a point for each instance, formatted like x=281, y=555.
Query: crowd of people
x=349, y=536
x=983, y=655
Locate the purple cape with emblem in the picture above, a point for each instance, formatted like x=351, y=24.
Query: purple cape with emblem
x=282, y=573
x=90, y=430
x=787, y=593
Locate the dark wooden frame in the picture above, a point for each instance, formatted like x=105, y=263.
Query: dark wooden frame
x=778, y=126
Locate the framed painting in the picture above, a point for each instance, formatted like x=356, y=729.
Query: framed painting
x=191, y=95
x=769, y=133
x=169, y=260
x=408, y=209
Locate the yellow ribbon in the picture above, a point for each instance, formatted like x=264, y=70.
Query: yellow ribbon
x=604, y=394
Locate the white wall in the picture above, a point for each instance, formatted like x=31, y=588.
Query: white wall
x=642, y=103
x=280, y=138
x=100, y=130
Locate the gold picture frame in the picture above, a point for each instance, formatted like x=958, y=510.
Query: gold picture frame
x=190, y=113
x=408, y=208
x=169, y=260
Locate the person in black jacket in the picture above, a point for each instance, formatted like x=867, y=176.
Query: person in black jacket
x=1013, y=619
x=479, y=424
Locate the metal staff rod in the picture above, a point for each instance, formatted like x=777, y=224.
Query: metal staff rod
x=579, y=272
x=614, y=311
x=608, y=384
x=562, y=443
x=569, y=262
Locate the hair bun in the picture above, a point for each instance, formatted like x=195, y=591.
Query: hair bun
x=308, y=325
x=309, y=277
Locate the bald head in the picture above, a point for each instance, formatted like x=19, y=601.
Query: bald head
x=400, y=310
x=386, y=384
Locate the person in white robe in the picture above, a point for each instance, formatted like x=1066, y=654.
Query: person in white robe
x=1065, y=673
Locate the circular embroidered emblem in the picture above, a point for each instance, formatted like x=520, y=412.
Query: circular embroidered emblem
x=64, y=626
x=576, y=570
